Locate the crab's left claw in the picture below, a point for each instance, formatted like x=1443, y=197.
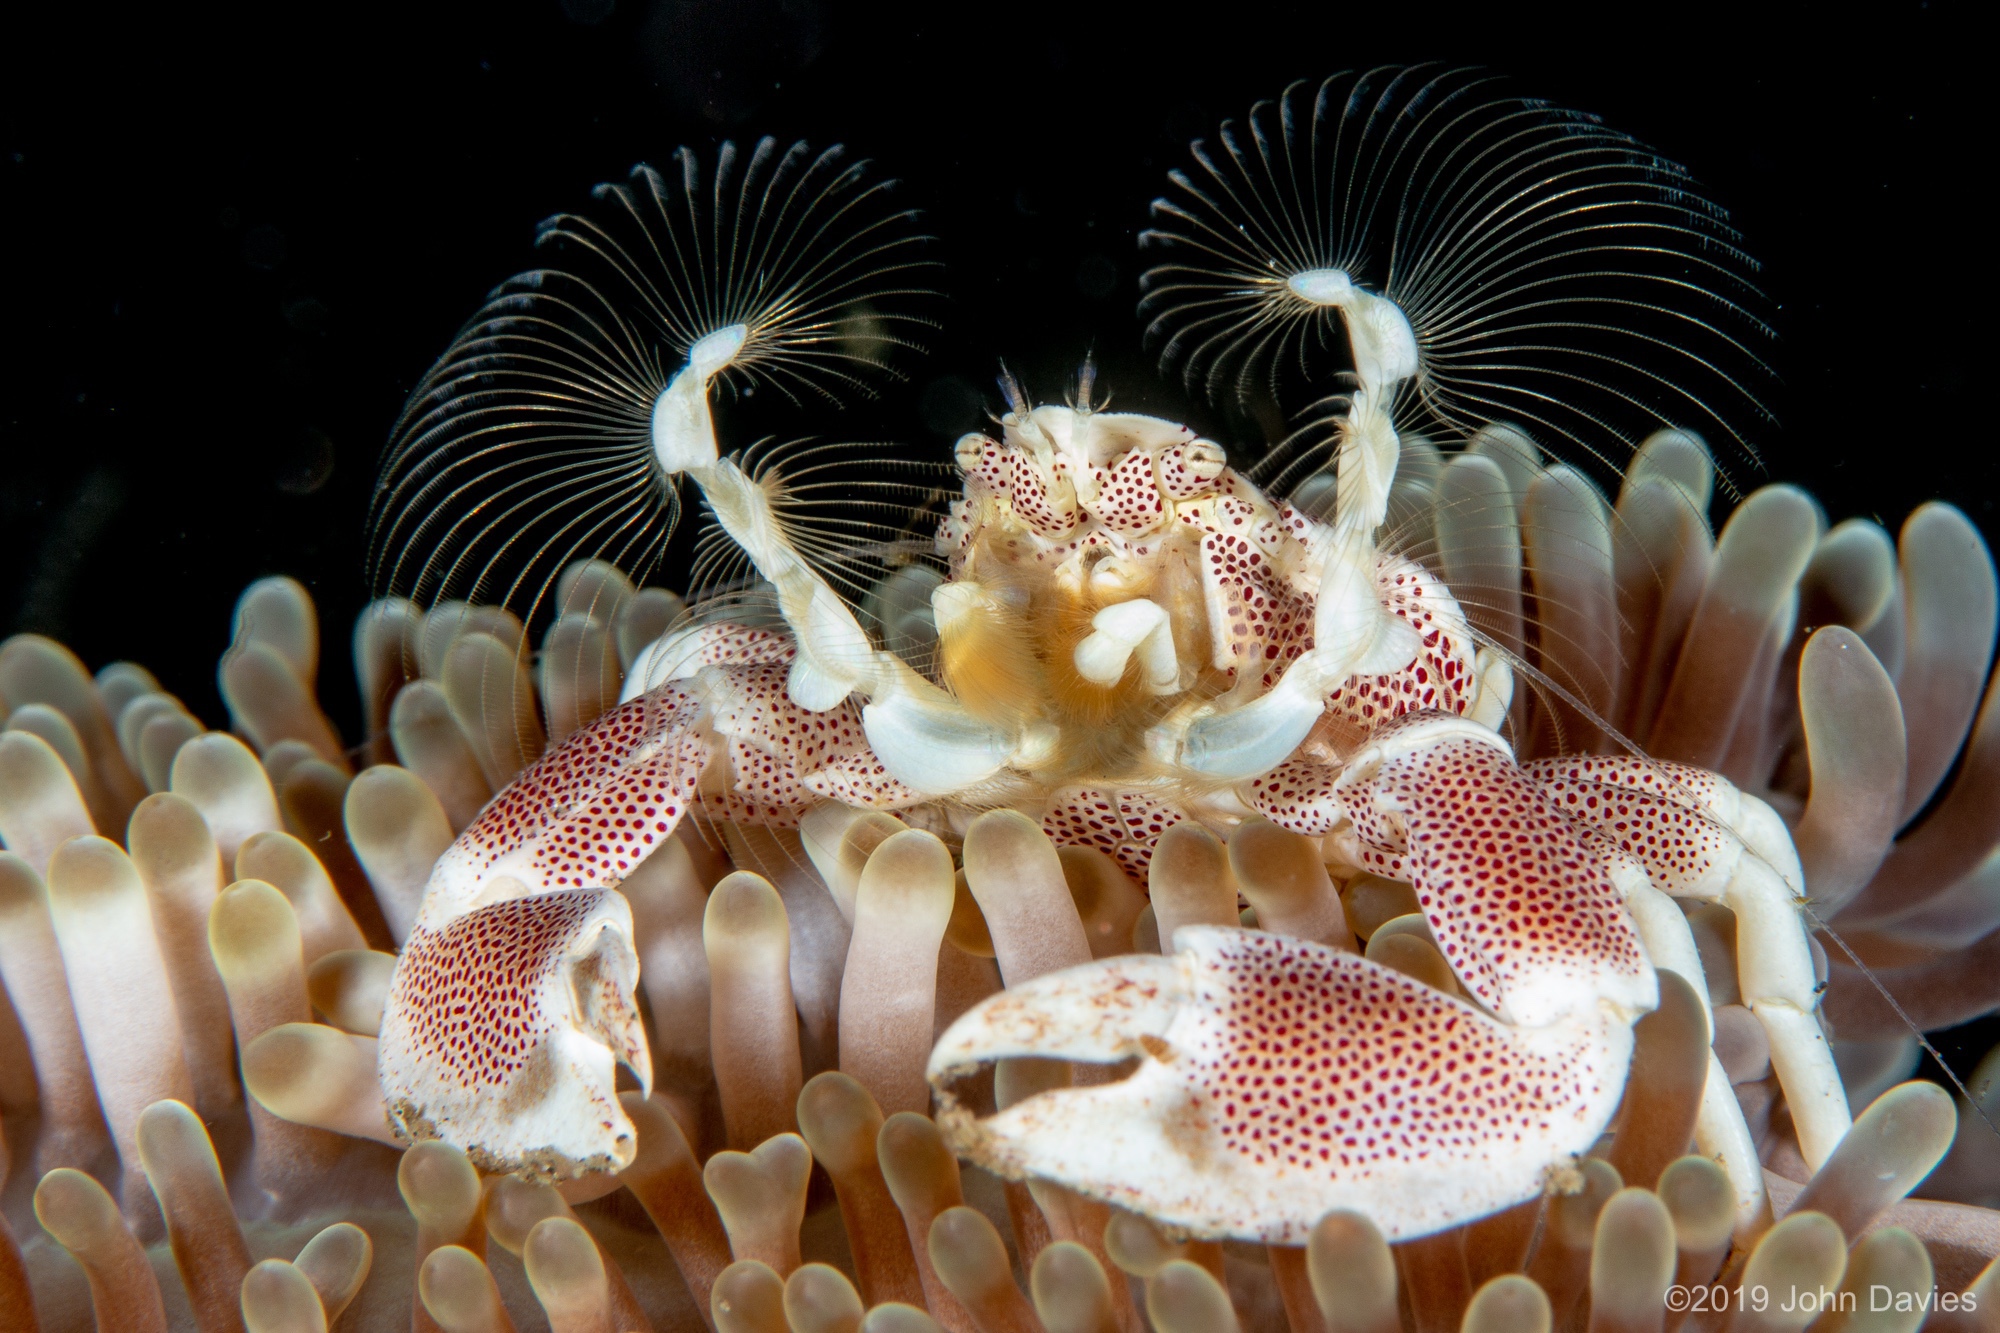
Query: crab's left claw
x=505, y=1030
x=1279, y=1080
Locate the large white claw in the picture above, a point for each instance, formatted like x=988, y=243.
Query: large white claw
x=1278, y=1080
x=512, y=1002
x=505, y=1029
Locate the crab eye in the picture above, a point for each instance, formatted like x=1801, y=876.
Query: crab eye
x=1204, y=460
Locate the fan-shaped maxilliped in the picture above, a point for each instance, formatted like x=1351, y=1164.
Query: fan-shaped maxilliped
x=1558, y=275
x=856, y=512
x=527, y=446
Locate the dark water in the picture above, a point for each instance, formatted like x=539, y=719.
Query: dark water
x=234, y=241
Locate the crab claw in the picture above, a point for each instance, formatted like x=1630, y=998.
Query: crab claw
x=512, y=1002
x=505, y=1029
x=1279, y=1080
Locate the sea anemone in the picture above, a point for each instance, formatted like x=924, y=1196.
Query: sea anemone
x=787, y=1161
x=206, y=938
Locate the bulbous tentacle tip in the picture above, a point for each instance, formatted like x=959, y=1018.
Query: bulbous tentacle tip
x=1245, y=1116
x=504, y=1029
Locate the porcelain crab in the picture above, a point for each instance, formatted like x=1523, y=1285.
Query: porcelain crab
x=1127, y=634
x=1133, y=635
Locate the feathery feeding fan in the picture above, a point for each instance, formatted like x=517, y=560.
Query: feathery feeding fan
x=1557, y=274
x=527, y=446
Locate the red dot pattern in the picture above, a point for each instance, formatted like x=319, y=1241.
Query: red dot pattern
x=1683, y=784
x=1510, y=891
x=1439, y=678
x=861, y=779
x=785, y=758
x=593, y=807
x=1134, y=495
x=738, y=809
x=956, y=529
x=1125, y=825
x=1299, y=795
x=1679, y=846
x=1324, y=1063
x=714, y=644
x=1049, y=509
x=1267, y=625
x=1128, y=499
x=473, y=991
x=1182, y=478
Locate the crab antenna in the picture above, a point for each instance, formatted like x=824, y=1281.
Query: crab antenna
x=1010, y=389
x=1086, y=381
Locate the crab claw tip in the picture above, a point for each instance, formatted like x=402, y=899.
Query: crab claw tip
x=1100, y=1011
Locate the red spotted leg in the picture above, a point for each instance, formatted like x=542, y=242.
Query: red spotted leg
x=1312, y=798
x=1530, y=917
x=512, y=1002
x=1699, y=837
x=1467, y=815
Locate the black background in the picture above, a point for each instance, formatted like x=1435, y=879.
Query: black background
x=234, y=239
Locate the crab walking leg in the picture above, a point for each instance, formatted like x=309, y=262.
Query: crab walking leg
x=1663, y=930
x=1720, y=1131
x=1674, y=827
x=1775, y=970
x=1723, y=1136
x=1246, y=1116
x=512, y=1002
x=1496, y=688
x=1748, y=817
x=682, y=653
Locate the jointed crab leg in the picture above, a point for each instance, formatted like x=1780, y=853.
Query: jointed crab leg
x=1666, y=830
x=923, y=735
x=1279, y=1079
x=1353, y=633
x=1698, y=837
x=1720, y=1131
x=1315, y=799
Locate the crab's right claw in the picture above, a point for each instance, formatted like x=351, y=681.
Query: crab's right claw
x=504, y=1030
x=513, y=1000
x=1279, y=1080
